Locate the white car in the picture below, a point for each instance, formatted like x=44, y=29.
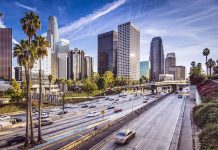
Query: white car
x=92, y=114
x=67, y=106
x=4, y=124
x=74, y=106
x=124, y=136
x=4, y=117
x=55, y=109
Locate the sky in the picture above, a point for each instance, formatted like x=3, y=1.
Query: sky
x=186, y=26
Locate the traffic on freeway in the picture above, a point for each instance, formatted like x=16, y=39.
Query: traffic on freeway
x=79, y=118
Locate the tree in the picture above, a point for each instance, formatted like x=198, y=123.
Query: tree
x=108, y=78
x=50, y=78
x=15, y=91
x=30, y=24
x=23, y=52
x=41, y=45
x=206, y=52
x=101, y=83
x=90, y=86
x=69, y=84
x=193, y=63
x=210, y=64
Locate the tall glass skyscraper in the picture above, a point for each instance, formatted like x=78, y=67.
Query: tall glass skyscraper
x=128, y=54
x=107, y=51
x=170, y=60
x=5, y=53
x=52, y=33
x=156, y=58
x=144, y=69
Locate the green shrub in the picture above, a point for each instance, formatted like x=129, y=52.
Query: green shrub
x=205, y=114
x=209, y=137
x=12, y=107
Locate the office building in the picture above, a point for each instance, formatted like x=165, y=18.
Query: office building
x=170, y=60
x=88, y=68
x=54, y=65
x=144, y=69
x=128, y=53
x=45, y=64
x=62, y=65
x=52, y=33
x=62, y=46
x=75, y=64
x=166, y=77
x=156, y=58
x=6, y=53
x=18, y=73
x=179, y=72
x=107, y=52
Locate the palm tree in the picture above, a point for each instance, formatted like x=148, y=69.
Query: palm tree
x=50, y=78
x=22, y=52
x=206, y=52
x=210, y=64
x=30, y=24
x=69, y=84
x=193, y=63
x=41, y=45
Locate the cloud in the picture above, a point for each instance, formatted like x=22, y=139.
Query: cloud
x=26, y=7
x=91, y=17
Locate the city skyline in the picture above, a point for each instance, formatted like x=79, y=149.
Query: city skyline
x=177, y=27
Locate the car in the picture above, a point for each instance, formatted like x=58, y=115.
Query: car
x=146, y=98
x=145, y=101
x=55, y=109
x=92, y=114
x=107, y=98
x=116, y=99
x=114, y=102
x=4, y=117
x=84, y=106
x=62, y=112
x=111, y=99
x=179, y=96
x=16, y=140
x=110, y=107
x=44, y=122
x=116, y=110
x=67, y=106
x=74, y=106
x=4, y=123
x=92, y=106
x=44, y=115
x=124, y=136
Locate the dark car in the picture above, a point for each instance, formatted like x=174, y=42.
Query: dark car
x=92, y=106
x=179, y=96
x=145, y=101
x=61, y=112
x=84, y=106
x=16, y=140
x=110, y=107
x=45, y=122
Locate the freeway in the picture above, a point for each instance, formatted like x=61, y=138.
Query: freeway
x=154, y=128
x=76, y=121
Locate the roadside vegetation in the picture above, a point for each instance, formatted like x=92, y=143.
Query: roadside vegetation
x=205, y=115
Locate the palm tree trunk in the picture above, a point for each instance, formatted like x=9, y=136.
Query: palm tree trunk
x=50, y=87
x=32, y=139
x=40, y=140
x=206, y=65
x=210, y=71
x=26, y=144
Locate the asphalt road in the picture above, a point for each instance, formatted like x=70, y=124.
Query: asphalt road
x=77, y=121
x=154, y=129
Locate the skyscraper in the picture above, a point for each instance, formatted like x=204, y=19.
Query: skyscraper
x=179, y=72
x=170, y=60
x=107, y=52
x=5, y=53
x=156, y=58
x=75, y=64
x=52, y=33
x=18, y=73
x=128, y=53
x=144, y=69
x=88, y=66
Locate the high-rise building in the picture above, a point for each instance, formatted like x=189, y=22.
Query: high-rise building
x=88, y=66
x=45, y=64
x=54, y=65
x=75, y=64
x=144, y=69
x=62, y=46
x=5, y=53
x=107, y=52
x=179, y=72
x=156, y=58
x=52, y=33
x=18, y=73
x=170, y=60
x=128, y=53
x=62, y=65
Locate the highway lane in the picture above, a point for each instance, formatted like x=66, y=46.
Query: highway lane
x=63, y=126
x=154, y=128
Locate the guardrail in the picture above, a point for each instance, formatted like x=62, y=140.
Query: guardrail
x=119, y=123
